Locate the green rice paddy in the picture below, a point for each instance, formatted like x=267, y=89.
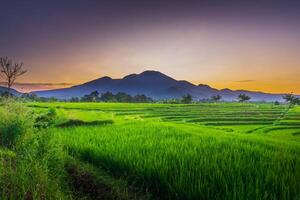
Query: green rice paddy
x=195, y=151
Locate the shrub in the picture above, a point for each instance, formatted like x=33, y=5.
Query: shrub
x=15, y=121
x=37, y=172
x=45, y=120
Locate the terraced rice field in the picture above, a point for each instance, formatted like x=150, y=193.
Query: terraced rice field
x=195, y=151
x=223, y=114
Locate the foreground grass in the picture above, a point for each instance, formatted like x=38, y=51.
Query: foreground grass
x=164, y=151
x=189, y=163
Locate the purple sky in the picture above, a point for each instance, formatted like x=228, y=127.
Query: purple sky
x=251, y=45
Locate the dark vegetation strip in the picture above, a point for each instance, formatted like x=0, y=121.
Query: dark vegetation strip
x=281, y=128
x=232, y=119
x=238, y=123
x=145, y=182
x=88, y=182
x=77, y=122
x=289, y=123
x=296, y=133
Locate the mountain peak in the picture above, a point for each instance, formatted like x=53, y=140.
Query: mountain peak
x=148, y=75
x=106, y=78
x=151, y=72
x=204, y=86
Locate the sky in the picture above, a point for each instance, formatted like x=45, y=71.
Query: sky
x=252, y=45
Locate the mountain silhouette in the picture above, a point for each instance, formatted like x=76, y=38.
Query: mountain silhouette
x=12, y=91
x=155, y=85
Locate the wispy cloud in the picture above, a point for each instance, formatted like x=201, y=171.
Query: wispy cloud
x=245, y=81
x=45, y=84
x=28, y=87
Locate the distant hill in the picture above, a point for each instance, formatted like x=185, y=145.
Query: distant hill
x=155, y=85
x=13, y=91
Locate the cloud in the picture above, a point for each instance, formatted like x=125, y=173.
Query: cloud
x=28, y=87
x=44, y=84
x=245, y=81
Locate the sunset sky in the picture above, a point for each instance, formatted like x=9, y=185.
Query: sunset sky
x=253, y=45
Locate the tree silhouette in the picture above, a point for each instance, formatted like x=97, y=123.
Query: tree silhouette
x=92, y=97
x=243, y=98
x=187, y=99
x=216, y=97
x=290, y=98
x=108, y=97
x=9, y=71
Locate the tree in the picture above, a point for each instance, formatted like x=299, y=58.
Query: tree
x=107, y=97
x=290, y=98
x=296, y=101
x=74, y=99
x=276, y=103
x=187, y=99
x=92, y=97
x=216, y=98
x=123, y=97
x=243, y=98
x=10, y=71
x=30, y=96
x=141, y=98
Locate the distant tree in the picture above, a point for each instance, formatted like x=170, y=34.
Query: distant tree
x=30, y=96
x=276, y=103
x=216, y=97
x=243, y=98
x=123, y=97
x=172, y=101
x=52, y=99
x=6, y=94
x=297, y=101
x=10, y=71
x=141, y=98
x=92, y=97
x=74, y=99
x=187, y=99
x=107, y=97
x=288, y=97
x=291, y=99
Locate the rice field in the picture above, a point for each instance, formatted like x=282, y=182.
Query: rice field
x=194, y=151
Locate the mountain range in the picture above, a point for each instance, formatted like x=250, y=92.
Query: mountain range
x=156, y=85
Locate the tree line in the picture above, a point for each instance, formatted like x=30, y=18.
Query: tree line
x=92, y=97
x=110, y=97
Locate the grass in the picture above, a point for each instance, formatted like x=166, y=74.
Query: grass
x=187, y=163
x=182, y=151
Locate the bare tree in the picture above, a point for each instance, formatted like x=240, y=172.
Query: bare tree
x=9, y=71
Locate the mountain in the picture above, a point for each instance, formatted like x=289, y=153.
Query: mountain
x=155, y=85
x=13, y=91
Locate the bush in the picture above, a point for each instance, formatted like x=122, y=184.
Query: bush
x=15, y=121
x=37, y=172
x=37, y=168
x=46, y=120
